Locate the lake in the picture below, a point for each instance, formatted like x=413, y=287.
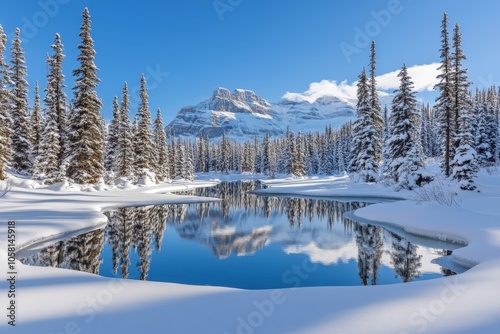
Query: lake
x=248, y=241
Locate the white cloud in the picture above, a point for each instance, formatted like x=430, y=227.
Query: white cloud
x=423, y=76
x=344, y=91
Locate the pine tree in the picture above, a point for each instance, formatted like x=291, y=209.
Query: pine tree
x=460, y=87
x=363, y=162
x=404, y=150
x=21, y=145
x=464, y=164
x=184, y=168
x=385, y=149
x=161, y=167
x=180, y=159
x=444, y=102
x=124, y=150
x=225, y=151
x=378, y=121
x=246, y=165
x=55, y=97
x=47, y=163
x=289, y=154
x=188, y=170
x=172, y=167
x=112, y=141
x=266, y=157
x=298, y=165
x=257, y=156
x=85, y=162
x=5, y=107
x=492, y=128
x=144, y=137
x=201, y=161
x=426, y=131
x=312, y=155
x=36, y=125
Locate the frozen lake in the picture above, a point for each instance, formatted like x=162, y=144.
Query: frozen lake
x=247, y=241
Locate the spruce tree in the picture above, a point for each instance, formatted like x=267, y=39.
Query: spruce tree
x=225, y=152
x=378, y=121
x=188, y=171
x=257, y=156
x=144, y=136
x=21, y=145
x=50, y=148
x=5, y=107
x=266, y=157
x=363, y=163
x=161, y=167
x=172, y=166
x=444, y=102
x=492, y=128
x=111, y=156
x=184, y=169
x=36, y=122
x=289, y=154
x=124, y=150
x=464, y=164
x=385, y=149
x=201, y=161
x=55, y=97
x=299, y=169
x=404, y=150
x=85, y=162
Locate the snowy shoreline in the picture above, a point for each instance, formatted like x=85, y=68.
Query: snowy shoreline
x=92, y=304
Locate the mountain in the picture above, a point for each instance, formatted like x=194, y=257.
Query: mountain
x=242, y=114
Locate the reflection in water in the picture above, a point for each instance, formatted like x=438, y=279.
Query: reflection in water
x=369, y=242
x=79, y=253
x=233, y=229
x=405, y=259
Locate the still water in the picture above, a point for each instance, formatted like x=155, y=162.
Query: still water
x=246, y=241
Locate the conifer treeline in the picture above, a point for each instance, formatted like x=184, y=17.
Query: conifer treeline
x=462, y=128
x=58, y=141
x=61, y=141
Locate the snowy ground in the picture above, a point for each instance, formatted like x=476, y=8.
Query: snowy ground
x=61, y=301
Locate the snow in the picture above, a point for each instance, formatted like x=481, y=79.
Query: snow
x=63, y=301
x=225, y=114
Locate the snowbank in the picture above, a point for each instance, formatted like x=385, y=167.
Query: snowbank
x=61, y=301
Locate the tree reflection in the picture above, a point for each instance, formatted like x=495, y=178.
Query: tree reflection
x=404, y=258
x=79, y=253
x=228, y=228
x=370, y=243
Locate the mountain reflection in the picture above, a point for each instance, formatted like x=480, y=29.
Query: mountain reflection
x=241, y=224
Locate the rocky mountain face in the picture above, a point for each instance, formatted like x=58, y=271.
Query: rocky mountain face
x=242, y=114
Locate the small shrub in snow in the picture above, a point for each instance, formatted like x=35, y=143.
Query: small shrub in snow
x=492, y=170
x=438, y=192
x=5, y=187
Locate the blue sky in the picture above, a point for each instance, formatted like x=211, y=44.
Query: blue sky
x=188, y=48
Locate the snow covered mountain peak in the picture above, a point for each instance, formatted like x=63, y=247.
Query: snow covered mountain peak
x=242, y=114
